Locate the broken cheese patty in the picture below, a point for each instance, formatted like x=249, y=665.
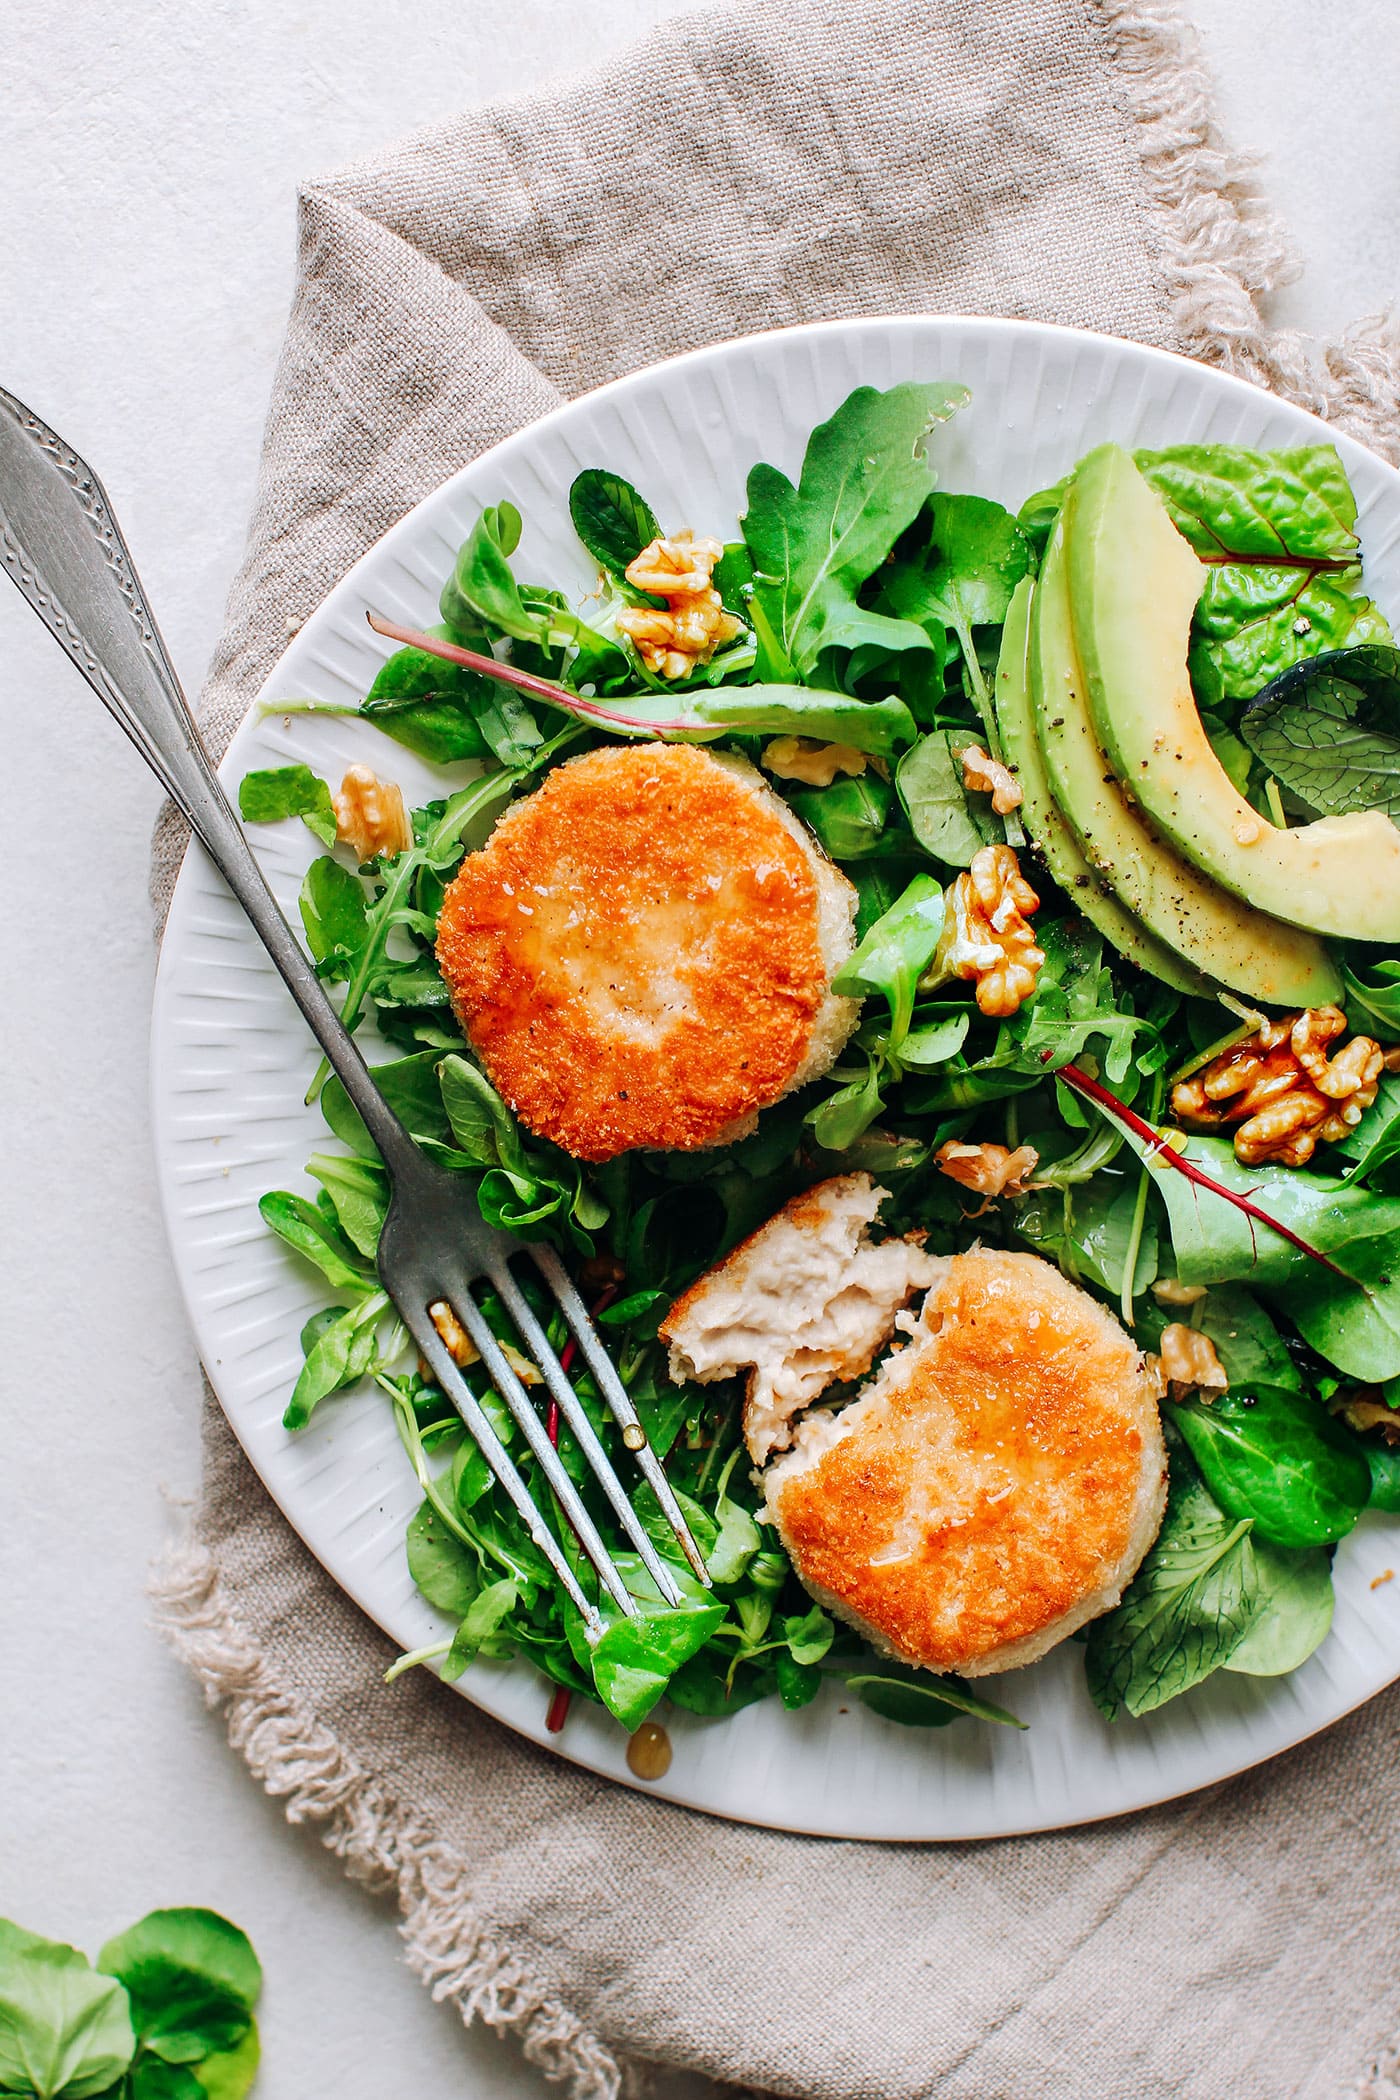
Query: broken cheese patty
x=994, y=1487
x=807, y=1299
x=642, y=952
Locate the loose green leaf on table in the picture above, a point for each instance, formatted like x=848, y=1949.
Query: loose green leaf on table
x=267, y=796
x=65, y=2033
x=192, y=1978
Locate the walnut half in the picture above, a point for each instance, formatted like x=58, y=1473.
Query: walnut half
x=694, y=623
x=370, y=816
x=1283, y=1090
x=986, y=935
x=990, y=1170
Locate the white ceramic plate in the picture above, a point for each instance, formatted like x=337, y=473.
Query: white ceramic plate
x=231, y=1061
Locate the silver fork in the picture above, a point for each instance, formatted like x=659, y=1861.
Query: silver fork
x=60, y=544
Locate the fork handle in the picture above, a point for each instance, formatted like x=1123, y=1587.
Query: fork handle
x=60, y=543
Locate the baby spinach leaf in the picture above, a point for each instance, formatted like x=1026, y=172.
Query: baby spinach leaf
x=611, y=519
x=445, y=1570
x=895, y=953
x=334, y=912
x=1328, y=729
x=849, y=817
x=1383, y=1461
x=916, y=1699
x=1295, y=1616
x=798, y=1683
x=948, y=822
x=360, y=1193
x=1279, y=1458
x=1249, y=1346
x=481, y=1622
x=65, y=2033
x=428, y=705
x=1185, y=1612
x=636, y=1658
x=310, y=1233
x=865, y=477
x=267, y=796
x=1376, y=1139
x=192, y=1978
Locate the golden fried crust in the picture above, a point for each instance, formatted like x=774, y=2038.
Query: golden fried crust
x=1006, y=1469
x=634, y=954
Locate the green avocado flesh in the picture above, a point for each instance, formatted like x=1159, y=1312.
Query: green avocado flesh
x=1082, y=884
x=1200, y=922
x=1133, y=585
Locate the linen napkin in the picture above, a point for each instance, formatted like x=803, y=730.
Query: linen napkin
x=744, y=169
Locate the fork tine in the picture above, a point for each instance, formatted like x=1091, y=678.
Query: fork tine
x=435, y=1354
x=572, y=1409
x=526, y=1417
x=618, y=1398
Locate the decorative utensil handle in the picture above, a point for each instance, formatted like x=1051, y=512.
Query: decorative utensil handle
x=61, y=545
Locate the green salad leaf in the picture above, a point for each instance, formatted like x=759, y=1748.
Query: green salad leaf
x=1279, y=1458
x=1194, y=1598
x=1328, y=730
x=948, y=822
x=430, y=706
x=1296, y=1614
x=611, y=519
x=65, y=2033
x=865, y=477
x=288, y=791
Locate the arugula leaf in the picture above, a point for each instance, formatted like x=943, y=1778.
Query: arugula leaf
x=1279, y=1458
x=947, y=822
x=192, y=1978
x=865, y=477
x=976, y=556
x=1328, y=729
x=428, y=705
x=611, y=519
x=916, y=1699
x=1185, y=1612
x=1295, y=1616
x=65, y=2033
x=265, y=797
x=895, y=953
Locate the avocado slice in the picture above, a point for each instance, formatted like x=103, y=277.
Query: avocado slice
x=1195, y=918
x=1133, y=586
x=1081, y=883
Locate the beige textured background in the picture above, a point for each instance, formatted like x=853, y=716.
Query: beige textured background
x=144, y=268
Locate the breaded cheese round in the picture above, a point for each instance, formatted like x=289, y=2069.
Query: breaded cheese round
x=642, y=952
x=995, y=1486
